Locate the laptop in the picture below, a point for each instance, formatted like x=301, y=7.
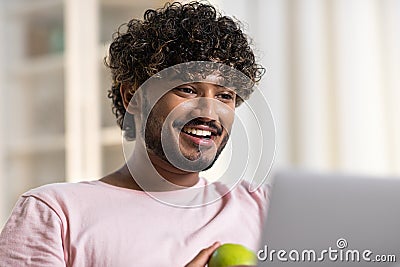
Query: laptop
x=331, y=220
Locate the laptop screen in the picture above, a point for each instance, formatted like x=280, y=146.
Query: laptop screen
x=331, y=220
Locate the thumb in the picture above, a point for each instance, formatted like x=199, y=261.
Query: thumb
x=201, y=259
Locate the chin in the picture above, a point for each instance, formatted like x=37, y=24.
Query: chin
x=202, y=164
x=196, y=163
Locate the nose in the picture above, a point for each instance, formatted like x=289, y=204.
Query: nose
x=206, y=109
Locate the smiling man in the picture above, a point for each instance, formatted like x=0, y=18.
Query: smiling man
x=178, y=76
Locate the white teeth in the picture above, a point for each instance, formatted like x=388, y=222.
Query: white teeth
x=197, y=132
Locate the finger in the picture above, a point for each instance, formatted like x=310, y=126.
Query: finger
x=202, y=258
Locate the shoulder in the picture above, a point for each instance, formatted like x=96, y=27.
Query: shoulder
x=260, y=193
x=59, y=196
x=262, y=189
x=60, y=190
x=243, y=193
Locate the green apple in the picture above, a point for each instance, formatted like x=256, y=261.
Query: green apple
x=231, y=255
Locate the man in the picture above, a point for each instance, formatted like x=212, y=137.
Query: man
x=174, y=77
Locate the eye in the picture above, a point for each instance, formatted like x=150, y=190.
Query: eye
x=186, y=90
x=226, y=96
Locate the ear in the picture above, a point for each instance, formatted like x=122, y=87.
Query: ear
x=130, y=102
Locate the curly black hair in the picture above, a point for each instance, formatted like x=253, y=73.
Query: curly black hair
x=173, y=34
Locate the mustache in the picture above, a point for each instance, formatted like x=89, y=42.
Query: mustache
x=196, y=122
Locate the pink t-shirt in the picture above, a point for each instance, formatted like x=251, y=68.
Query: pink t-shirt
x=97, y=224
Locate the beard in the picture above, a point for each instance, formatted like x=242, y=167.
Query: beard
x=197, y=160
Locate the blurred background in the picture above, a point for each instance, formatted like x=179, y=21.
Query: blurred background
x=332, y=82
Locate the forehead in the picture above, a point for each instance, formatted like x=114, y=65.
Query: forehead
x=214, y=78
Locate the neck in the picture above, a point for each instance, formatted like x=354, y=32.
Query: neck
x=172, y=174
x=152, y=173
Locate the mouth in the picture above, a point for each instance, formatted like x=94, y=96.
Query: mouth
x=200, y=135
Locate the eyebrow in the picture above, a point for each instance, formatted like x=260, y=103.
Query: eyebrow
x=220, y=87
x=215, y=84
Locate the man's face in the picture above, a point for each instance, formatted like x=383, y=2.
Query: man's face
x=191, y=122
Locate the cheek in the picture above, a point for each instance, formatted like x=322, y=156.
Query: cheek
x=226, y=116
x=154, y=120
x=168, y=102
x=161, y=109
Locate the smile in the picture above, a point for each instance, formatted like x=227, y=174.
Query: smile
x=199, y=135
x=197, y=132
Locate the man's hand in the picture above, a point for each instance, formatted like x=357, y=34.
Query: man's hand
x=204, y=255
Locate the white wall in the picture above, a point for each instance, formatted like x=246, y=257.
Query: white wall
x=332, y=80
